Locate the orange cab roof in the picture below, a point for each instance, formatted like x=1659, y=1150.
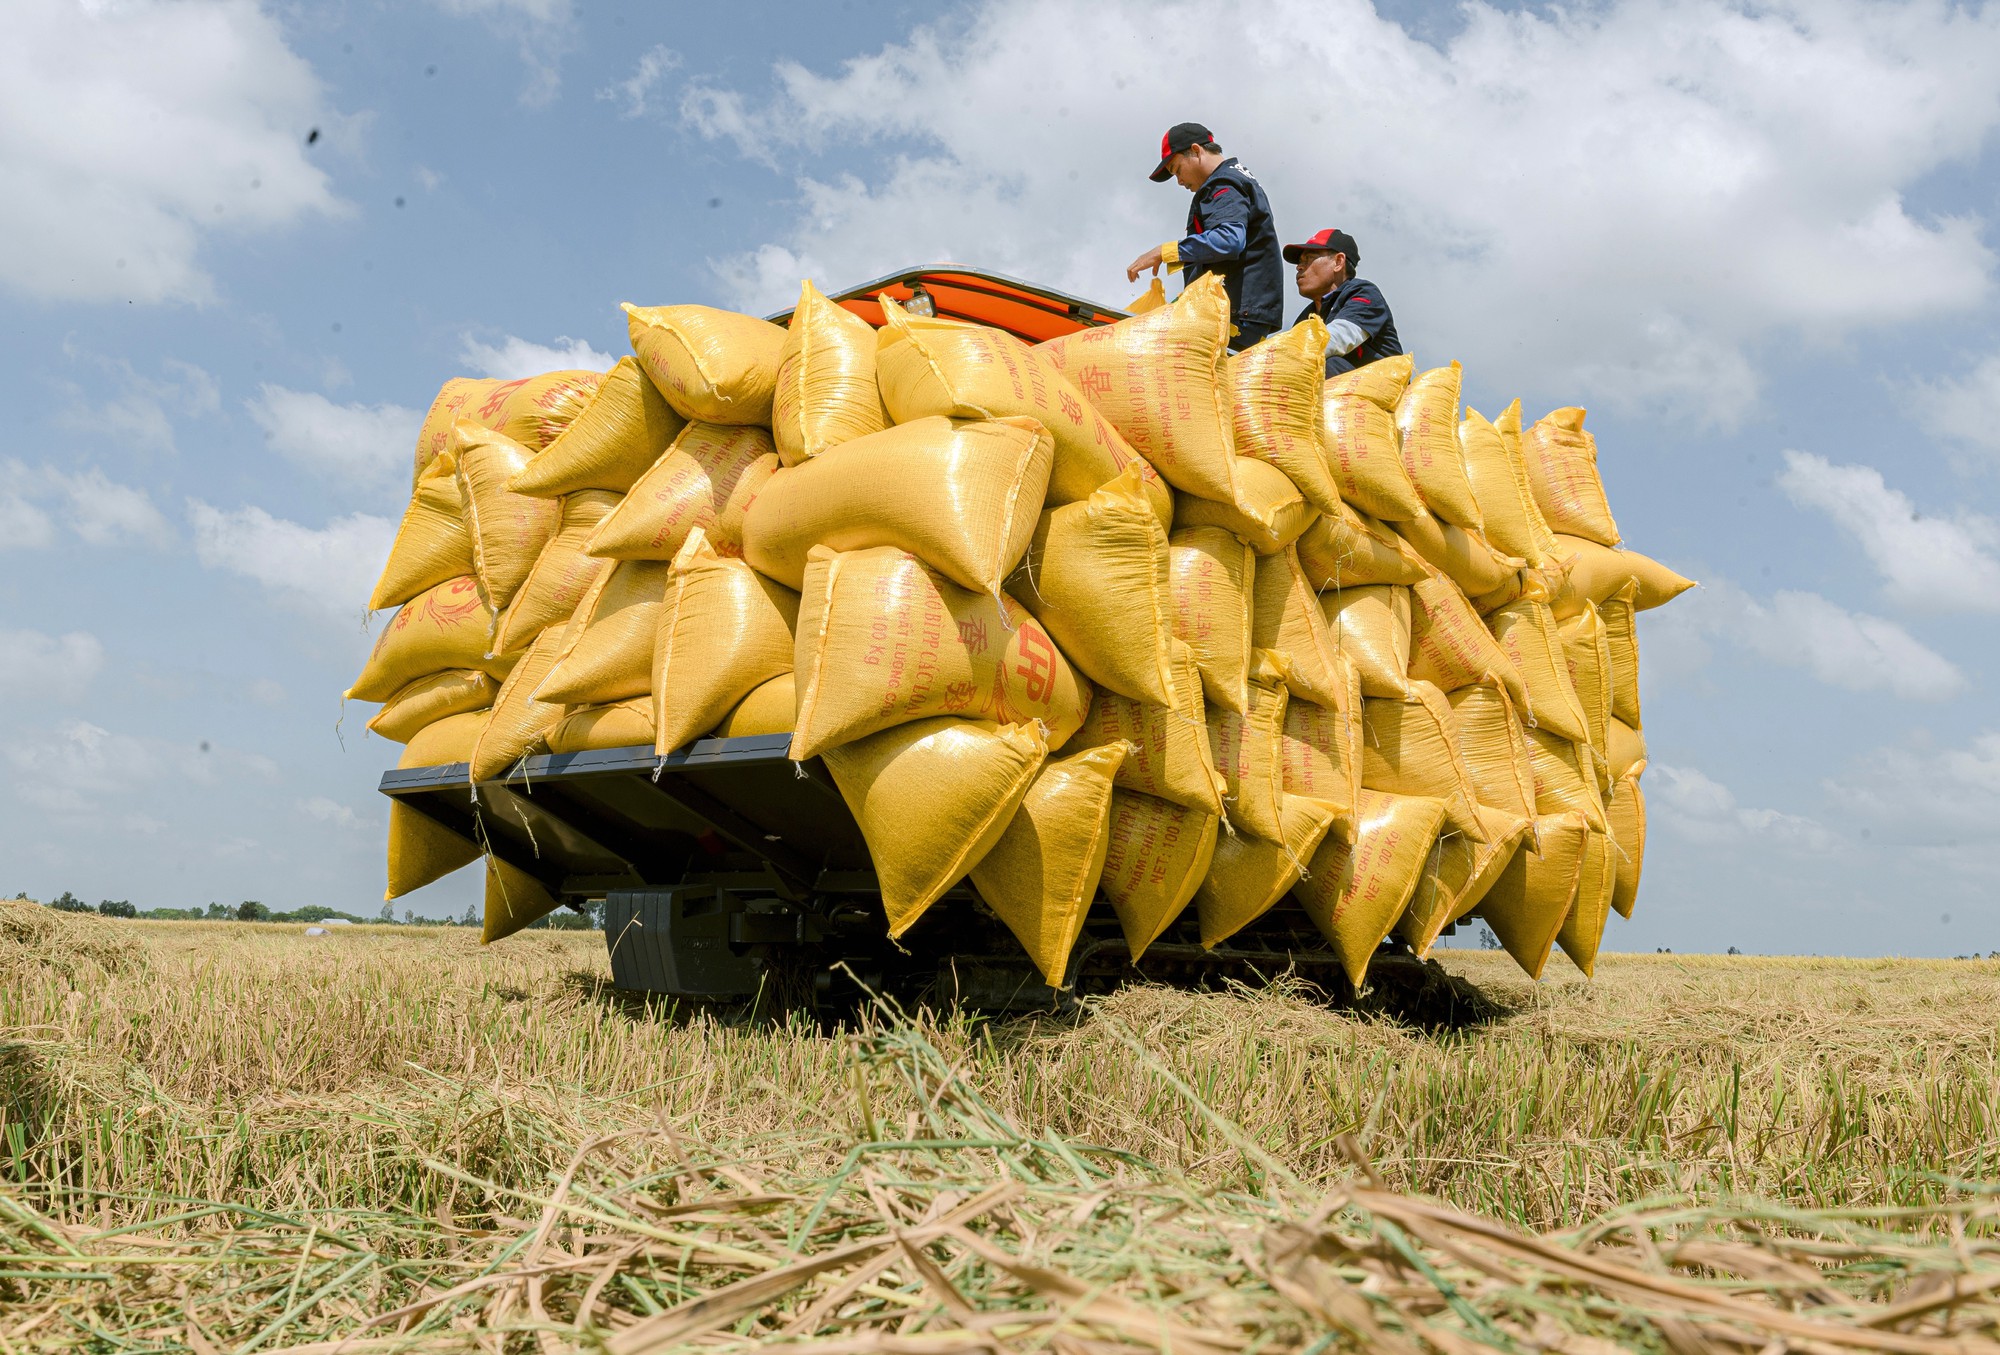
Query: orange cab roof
x=1028, y=312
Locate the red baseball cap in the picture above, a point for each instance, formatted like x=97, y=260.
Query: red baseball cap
x=1179, y=137
x=1332, y=240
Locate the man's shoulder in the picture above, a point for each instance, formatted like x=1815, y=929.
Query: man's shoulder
x=1359, y=292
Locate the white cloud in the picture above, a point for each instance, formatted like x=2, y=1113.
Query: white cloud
x=325, y=572
x=98, y=510
x=77, y=767
x=1704, y=810
x=635, y=92
x=36, y=666
x=1962, y=408
x=104, y=513
x=362, y=446
x=22, y=525
x=541, y=29
x=130, y=132
x=320, y=809
x=266, y=692
x=1621, y=201
x=1937, y=807
x=1851, y=650
x=141, y=412
x=1940, y=564
x=70, y=769
x=514, y=358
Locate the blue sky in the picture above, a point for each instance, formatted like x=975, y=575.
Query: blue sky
x=1758, y=245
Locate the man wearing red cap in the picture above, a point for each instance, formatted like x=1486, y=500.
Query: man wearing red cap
x=1359, y=328
x=1229, y=231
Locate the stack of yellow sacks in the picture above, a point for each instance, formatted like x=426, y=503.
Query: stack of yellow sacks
x=1119, y=614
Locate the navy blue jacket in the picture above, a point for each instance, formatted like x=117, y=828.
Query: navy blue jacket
x=1230, y=232
x=1359, y=304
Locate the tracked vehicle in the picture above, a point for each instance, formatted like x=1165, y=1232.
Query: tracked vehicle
x=727, y=871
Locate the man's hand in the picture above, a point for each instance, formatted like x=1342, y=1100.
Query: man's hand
x=1151, y=259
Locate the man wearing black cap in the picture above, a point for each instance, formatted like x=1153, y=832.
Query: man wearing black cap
x=1229, y=231
x=1359, y=328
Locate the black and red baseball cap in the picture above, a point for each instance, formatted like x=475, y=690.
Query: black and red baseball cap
x=1332, y=240
x=1178, y=138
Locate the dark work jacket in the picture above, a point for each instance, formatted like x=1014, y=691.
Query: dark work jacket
x=1254, y=279
x=1360, y=301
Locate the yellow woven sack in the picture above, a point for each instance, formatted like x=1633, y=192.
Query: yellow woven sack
x=1626, y=815
x=1531, y=900
x=533, y=411
x=962, y=497
x=933, y=366
x=1371, y=627
x=1380, y=383
x=1529, y=584
x=932, y=798
x=1506, y=835
x=610, y=444
x=612, y=724
x=432, y=544
x=1355, y=891
x=1527, y=632
x=1594, y=573
x=519, y=722
x=508, y=530
x=1156, y=858
x=1583, y=930
x=1587, y=652
x=434, y=435
x=1161, y=379
x=514, y=900
x=1363, y=450
x=1245, y=749
x=1510, y=520
x=422, y=851
x=1450, y=646
x=706, y=479
x=1427, y=420
x=443, y=742
x=826, y=391
x=1565, y=773
x=1170, y=756
x=1319, y=755
x=1098, y=575
x=1042, y=874
x=1286, y=617
x=884, y=639
x=713, y=365
x=769, y=709
x=1626, y=750
x=1212, y=572
x=1561, y=461
x=1457, y=876
x=432, y=698
x=1278, y=390
x=562, y=573
x=1154, y=297
x=442, y=628
x=1460, y=555
x=1495, y=748
x=611, y=656
x=1246, y=877
x=1621, y=639
x=1268, y=512
x=1343, y=549
x=1409, y=747
x=724, y=628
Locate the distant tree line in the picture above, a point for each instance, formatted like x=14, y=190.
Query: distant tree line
x=250, y=910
